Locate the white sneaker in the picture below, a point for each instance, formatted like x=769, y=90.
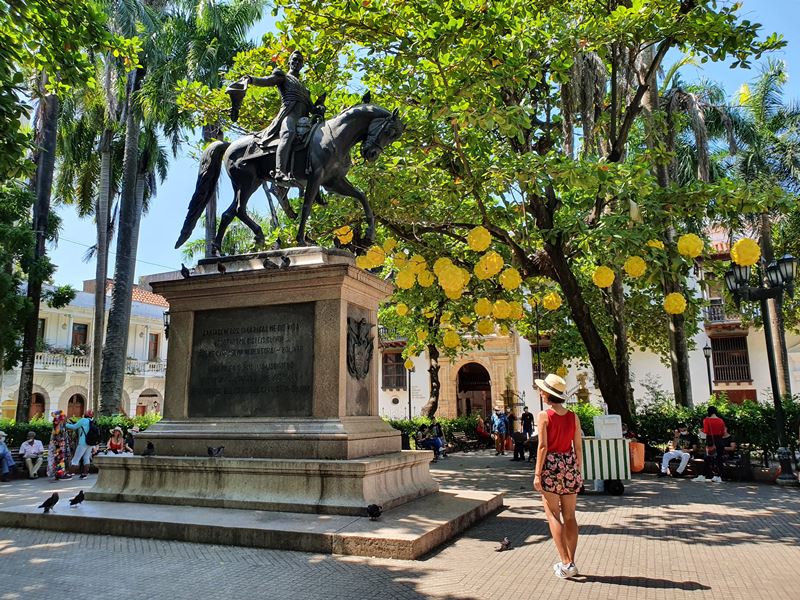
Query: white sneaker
x=572, y=570
x=560, y=571
x=700, y=478
x=716, y=479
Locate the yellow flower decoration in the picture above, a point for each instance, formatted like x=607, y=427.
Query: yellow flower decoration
x=389, y=245
x=446, y=316
x=635, y=266
x=466, y=320
x=440, y=264
x=603, y=277
x=376, y=256
x=454, y=294
x=422, y=334
x=674, y=303
x=501, y=309
x=517, y=311
x=485, y=327
x=658, y=244
x=504, y=330
x=551, y=301
x=401, y=309
x=479, y=239
x=451, y=339
x=400, y=260
x=489, y=265
x=483, y=307
x=429, y=314
x=510, y=279
x=746, y=252
x=425, y=278
x=344, y=234
x=409, y=364
x=690, y=245
x=418, y=263
x=562, y=371
x=405, y=278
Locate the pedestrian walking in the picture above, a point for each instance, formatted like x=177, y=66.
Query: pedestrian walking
x=558, y=471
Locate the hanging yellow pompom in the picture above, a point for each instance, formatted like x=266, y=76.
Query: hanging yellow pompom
x=401, y=309
x=425, y=278
x=451, y=278
x=635, y=266
x=551, y=301
x=657, y=244
x=440, y=264
x=562, y=371
x=446, y=316
x=400, y=260
x=362, y=262
x=603, y=277
x=503, y=330
x=489, y=265
x=745, y=252
x=389, y=245
x=454, y=294
x=485, y=327
x=483, y=307
x=376, y=256
x=479, y=239
x=466, y=320
x=422, y=334
x=517, y=311
x=690, y=245
x=501, y=309
x=674, y=303
x=405, y=279
x=409, y=364
x=344, y=234
x=451, y=339
x=429, y=314
x=510, y=279
x=418, y=263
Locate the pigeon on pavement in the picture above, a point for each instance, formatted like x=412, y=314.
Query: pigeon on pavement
x=215, y=452
x=77, y=499
x=504, y=545
x=374, y=512
x=48, y=504
x=221, y=268
x=150, y=450
x=185, y=273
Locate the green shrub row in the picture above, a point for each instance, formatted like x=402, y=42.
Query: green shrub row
x=18, y=432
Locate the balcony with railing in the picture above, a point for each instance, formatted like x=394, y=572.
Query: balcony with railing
x=49, y=361
x=715, y=313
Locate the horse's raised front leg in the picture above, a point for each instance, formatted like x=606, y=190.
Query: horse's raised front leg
x=344, y=188
x=312, y=188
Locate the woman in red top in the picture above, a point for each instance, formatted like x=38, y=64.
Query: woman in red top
x=116, y=443
x=558, y=470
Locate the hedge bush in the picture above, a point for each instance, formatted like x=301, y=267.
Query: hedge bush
x=18, y=432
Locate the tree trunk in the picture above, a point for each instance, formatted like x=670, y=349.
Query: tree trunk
x=101, y=269
x=432, y=405
x=210, y=134
x=115, y=349
x=46, y=160
x=621, y=348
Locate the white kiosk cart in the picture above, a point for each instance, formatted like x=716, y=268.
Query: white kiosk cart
x=606, y=456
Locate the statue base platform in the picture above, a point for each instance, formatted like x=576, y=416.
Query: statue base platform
x=342, y=487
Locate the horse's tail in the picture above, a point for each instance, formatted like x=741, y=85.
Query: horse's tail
x=207, y=176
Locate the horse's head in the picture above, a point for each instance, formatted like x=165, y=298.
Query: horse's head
x=382, y=132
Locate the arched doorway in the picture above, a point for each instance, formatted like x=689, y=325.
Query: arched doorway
x=75, y=406
x=474, y=390
x=149, y=402
x=37, y=406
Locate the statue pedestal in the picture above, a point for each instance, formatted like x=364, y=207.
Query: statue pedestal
x=273, y=356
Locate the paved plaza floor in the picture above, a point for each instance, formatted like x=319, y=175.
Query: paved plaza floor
x=663, y=539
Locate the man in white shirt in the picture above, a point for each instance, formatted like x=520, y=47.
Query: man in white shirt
x=32, y=451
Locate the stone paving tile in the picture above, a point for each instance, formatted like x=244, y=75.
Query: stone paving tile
x=661, y=540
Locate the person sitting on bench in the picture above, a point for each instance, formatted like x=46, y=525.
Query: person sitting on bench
x=427, y=441
x=682, y=445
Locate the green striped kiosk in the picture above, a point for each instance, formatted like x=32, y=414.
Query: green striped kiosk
x=608, y=460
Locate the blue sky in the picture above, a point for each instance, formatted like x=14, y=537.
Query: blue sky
x=160, y=227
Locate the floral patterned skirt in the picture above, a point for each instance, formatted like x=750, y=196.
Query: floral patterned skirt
x=560, y=474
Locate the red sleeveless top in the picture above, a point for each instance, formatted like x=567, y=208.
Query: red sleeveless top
x=560, y=431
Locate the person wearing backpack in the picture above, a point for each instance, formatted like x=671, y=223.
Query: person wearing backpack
x=88, y=437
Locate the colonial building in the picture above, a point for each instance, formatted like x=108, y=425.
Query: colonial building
x=63, y=362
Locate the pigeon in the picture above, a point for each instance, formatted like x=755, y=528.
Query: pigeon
x=374, y=512
x=77, y=499
x=504, y=545
x=268, y=264
x=215, y=452
x=221, y=268
x=48, y=504
x=150, y=450
x=285, y=262
x=185, y=273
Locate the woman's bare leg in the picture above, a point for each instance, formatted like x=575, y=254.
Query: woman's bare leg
x=552, y=508
x=569, y=530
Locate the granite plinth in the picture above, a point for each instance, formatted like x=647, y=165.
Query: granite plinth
x=308, y=486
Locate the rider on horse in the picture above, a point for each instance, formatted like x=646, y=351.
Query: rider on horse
x=296, y=104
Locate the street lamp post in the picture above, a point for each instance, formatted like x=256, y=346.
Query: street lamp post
x=707, y=354
x=411, y=370
x=780, y=276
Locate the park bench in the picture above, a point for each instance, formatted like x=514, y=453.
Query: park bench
x=462, y=443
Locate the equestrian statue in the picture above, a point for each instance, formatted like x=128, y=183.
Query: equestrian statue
x=299, y=149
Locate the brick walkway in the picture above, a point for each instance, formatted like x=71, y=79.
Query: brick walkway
x=663, y=539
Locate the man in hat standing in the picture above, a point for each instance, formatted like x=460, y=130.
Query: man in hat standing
x=31, y=451
x=500, y=430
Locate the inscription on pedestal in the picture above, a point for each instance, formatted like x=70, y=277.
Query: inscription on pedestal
x=253, y=362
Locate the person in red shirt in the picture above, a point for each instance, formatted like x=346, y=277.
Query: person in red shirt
x=714, y=428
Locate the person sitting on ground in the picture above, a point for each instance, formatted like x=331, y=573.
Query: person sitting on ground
x=32, y=451
x=6, y=460
x=116, y=443
x=427, y=441
x=683, y=443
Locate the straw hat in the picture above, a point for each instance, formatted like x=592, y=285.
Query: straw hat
x=553, y=385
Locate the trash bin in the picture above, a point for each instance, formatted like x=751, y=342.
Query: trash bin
x=405, y=442
x=637, y=457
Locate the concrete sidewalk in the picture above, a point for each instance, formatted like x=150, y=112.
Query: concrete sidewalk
x=663, y=539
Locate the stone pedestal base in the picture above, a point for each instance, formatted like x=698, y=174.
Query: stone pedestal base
x=343, y=487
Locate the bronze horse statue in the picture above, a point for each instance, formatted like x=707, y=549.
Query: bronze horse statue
x=325, y=155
